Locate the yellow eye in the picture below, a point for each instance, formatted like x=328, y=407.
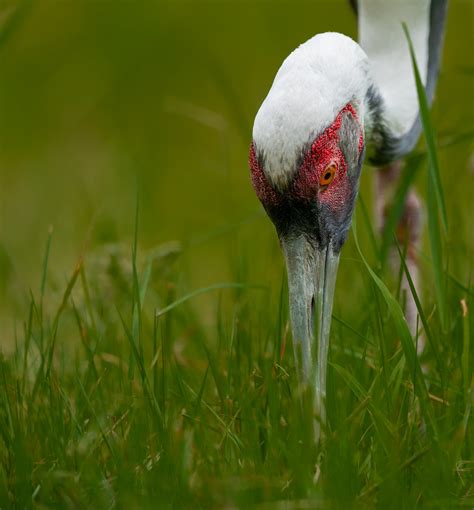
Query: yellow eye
x=328, y=175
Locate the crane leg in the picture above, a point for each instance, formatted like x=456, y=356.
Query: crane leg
x=409, y=231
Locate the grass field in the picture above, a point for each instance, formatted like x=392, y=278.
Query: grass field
x=146, y=354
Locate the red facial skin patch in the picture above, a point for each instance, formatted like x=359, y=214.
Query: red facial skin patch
x=265, y=193
x=306, y=185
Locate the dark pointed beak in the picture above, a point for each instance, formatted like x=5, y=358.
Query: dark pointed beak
x=311, y=281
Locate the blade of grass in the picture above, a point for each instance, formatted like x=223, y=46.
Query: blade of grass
x=435, y=197
x=145, y=279
x=45, y=263
x=87, y=299
x=136, y=302
x=406, y=341
x=436, y=252
x=96, y=418
x=197, y=403
x=213, y=363
x=421, y=312
x=62, y=306
x=83, y=335
x=226, y=427
x=429, y=134
x=379, y=327
x=155, y=406
x=44, y=272
x=349, y=327
x=368, y=226
x=465, y=350
x=204, y=290
x=362, y=395
x=396, y=207
x=28, y=334
x=154, y=363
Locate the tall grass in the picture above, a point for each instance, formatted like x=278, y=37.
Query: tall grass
x=129, y=403
x=123, y=392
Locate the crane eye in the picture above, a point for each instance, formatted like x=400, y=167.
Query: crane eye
x=328, y=175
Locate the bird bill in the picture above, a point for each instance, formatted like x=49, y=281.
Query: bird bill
x=311, y=281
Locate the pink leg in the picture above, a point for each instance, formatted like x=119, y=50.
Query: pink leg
x=409, y=231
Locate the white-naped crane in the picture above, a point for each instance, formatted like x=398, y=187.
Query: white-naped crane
x=330, y=100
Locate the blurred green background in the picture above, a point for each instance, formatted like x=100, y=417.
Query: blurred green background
x=101, y=102
x=100, y=98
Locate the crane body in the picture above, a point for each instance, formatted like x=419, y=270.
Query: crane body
x=332, y=102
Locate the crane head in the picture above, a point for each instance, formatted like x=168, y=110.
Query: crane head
x=310, y=199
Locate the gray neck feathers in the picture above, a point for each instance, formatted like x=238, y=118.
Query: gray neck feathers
x=388, y=147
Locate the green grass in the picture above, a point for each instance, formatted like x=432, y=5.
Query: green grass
x=163, y=377
x=145, y=410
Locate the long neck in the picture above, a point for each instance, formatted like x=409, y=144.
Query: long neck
x=392, y=98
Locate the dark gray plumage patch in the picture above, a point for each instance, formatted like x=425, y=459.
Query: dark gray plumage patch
x=350, y=133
